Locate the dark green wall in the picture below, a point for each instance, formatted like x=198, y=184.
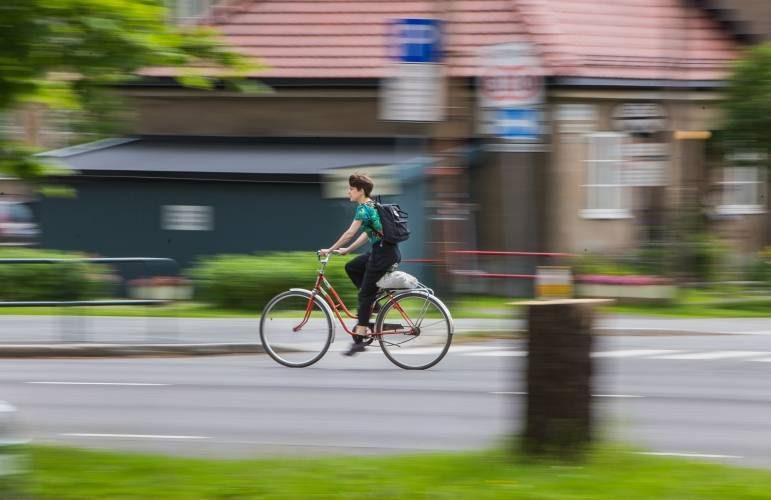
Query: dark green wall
x=122, y=218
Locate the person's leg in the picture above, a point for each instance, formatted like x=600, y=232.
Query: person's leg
x=377, y=265
x=382, y=259
x=354, y=268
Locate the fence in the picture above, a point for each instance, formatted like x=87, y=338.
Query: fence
x=79, y=334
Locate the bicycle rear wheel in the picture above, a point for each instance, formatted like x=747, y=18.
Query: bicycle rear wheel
x=291, y=333
x=416, y=330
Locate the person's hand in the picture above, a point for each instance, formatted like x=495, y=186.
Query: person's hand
x=324, y=252
x=342, y=250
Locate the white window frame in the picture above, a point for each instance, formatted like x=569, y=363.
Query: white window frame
x=591, y=211
x=728, y=203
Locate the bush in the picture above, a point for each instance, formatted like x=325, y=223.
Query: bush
x=702, y=257
x=759, y=268
x=248, y=282
x=59, y=281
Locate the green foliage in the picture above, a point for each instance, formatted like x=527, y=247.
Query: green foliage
x=59, y=281
x=701, y=257
x=603, y=265
x=65, y=53
x=247, y=282
x=759, y=268
x=608, y=473
x=697, y=256
x=748, y=102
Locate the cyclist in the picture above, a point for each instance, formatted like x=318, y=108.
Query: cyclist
x=366, y=269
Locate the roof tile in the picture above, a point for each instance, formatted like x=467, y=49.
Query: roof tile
x=347, y=38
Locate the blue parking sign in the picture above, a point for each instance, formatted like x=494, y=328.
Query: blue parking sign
x=518, y=123
x=417, y=40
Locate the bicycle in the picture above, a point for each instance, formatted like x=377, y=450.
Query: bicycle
x=413, y=327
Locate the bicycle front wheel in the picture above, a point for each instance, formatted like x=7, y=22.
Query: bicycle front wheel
x=415, y=330
x=295, y=330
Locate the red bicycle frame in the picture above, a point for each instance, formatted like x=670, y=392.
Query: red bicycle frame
x=324, y=289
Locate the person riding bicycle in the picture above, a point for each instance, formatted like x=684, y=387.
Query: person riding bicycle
x=366, y=269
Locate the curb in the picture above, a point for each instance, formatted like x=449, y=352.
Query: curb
x=124, y=350
x=86, y=350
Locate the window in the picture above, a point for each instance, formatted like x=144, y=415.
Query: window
x=187, y=11
x=604, y=184
x=742, y=191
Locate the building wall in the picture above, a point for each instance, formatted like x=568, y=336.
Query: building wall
x=686, y=176
x=283, y=113
x=123, y=218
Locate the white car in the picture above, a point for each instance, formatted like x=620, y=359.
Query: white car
x=17, y=224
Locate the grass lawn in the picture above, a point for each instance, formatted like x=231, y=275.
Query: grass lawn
x=68, y=474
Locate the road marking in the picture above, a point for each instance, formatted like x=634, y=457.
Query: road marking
x=499, y=353
x=714, y=355
x=422, y=349
x=763, y=360
x=593, y=395
x=632, y=396
x=688, y=455
x=129, y=436
x=137, y=384
x=628, y=353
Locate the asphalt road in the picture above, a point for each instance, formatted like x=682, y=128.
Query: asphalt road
x=703, y=395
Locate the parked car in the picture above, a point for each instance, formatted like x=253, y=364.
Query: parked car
x=17, y=223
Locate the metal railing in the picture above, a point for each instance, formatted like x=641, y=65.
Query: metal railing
x=144, y=261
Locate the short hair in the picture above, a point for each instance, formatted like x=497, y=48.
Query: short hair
x=361, y=181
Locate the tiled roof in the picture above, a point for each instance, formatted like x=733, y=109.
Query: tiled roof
x=647, y=39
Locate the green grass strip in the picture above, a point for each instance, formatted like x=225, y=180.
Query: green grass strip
x=610, y=473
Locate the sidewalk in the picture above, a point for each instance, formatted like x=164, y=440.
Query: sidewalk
x=114, y=336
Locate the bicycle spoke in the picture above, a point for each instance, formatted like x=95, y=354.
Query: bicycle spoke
x=422, y=313
x=427, y=339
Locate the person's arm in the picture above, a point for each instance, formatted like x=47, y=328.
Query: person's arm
x=344, y=238
x=362, y=239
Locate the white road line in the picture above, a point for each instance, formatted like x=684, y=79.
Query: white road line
x=128, y=436
x=631, y=353
x=714, y=355
x=418, y=349
x=136, y=384
x=594, y=395
x=763, y=360
x=630, y=396
x=499, y=353
x=688, y=455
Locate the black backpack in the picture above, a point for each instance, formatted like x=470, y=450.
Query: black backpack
x=394, y=221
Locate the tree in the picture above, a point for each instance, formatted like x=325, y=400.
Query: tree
x=748, y=103
x=67, y=53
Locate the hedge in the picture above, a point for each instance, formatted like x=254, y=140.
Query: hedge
x=60, y=281
x=248, y=282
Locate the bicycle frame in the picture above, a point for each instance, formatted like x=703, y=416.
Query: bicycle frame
x=327, y=292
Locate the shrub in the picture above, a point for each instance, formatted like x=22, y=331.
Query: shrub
x=58, y=281
x=247, y=282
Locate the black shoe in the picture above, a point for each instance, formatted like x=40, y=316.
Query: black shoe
x=355, y=348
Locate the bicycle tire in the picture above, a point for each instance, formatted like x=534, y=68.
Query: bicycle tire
x=435, y=352
x=282, y=322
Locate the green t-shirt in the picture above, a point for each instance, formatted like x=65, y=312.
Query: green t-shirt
x=370, y=220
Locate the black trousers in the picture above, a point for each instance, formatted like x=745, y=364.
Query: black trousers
x=365, y=271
